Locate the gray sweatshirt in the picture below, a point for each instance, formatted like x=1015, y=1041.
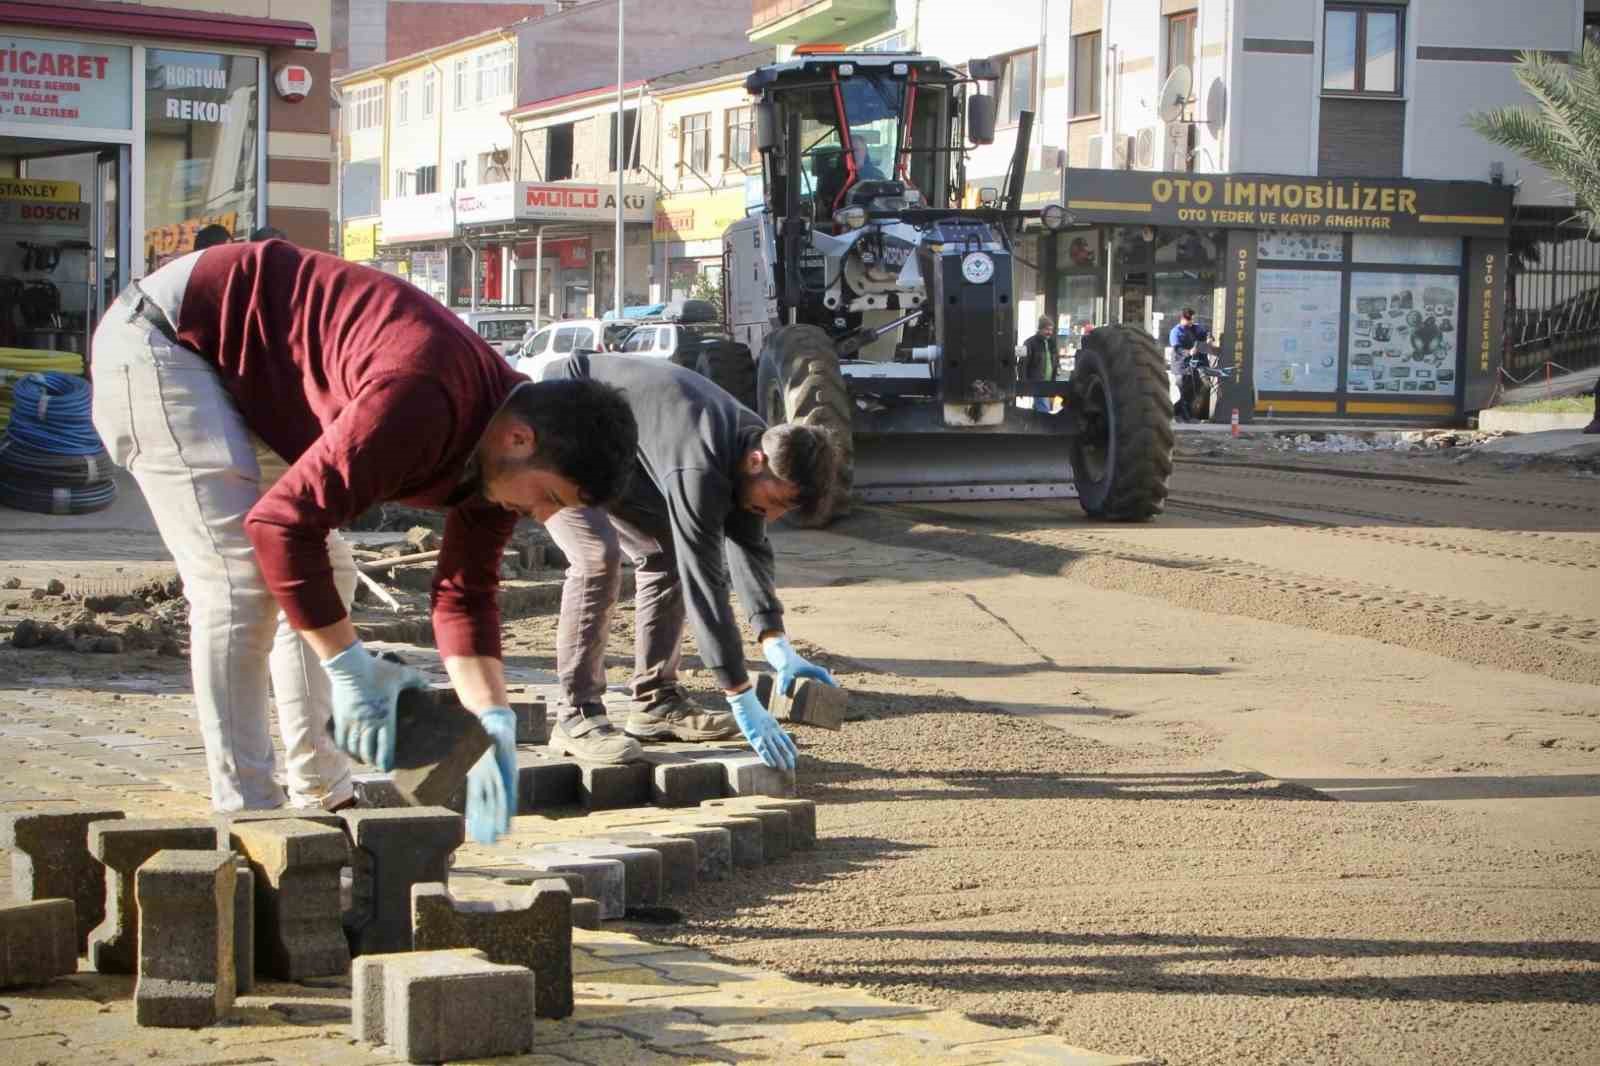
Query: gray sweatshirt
x=692, y=437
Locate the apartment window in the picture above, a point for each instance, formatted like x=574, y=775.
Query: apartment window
x=426, y=180
x=460, y=174
x=460, y=77
x=558, y=152
x=898, y=42
x=402, y=183
x=428, y=89
x=1085, y=75
x=695, y=139
x=402, y=101
x=366, y=108
x=1361, y=49
x=494, y=73
x=739, y=133
x=1180, y=40
x=630, y=124
x=1016, y=85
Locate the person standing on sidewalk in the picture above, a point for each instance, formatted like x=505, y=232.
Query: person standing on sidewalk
x=710, y=475
x=262, y=396
x=1039, y=360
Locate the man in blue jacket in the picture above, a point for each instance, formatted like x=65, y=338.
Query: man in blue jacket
x=1182, y=340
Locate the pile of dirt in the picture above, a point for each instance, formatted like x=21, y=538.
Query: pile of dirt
x=87, y=636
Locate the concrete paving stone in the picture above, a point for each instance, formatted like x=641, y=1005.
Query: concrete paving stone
x=228, y=819
x=296, y=863
x=38, y=942
x=533, y=931
x=607, y=786
x=543, y=781
x=585, y=913
x=680, y=858
x=435, y=745
x=676, y=780
x=802, y=815
x=642, y=873
x=746, y=834
x=810, y=702
x=603, y=879
x=533, y=719
x=186, y=965
x=123, y=846
x=394, y=850
x=712, y=847
x=375, y=790
x=747, y=775
x=244, y=926
x=50, y=860
x=774, y=830
x=457, y=1008
x=367, y=984
x=515, y=875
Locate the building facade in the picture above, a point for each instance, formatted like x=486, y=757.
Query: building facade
x=125, y=128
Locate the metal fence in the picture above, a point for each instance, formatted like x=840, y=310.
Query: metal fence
x=1553, y=303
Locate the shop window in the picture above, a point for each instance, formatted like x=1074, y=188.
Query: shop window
x=1300, y=246
x=402, y=101
x=202, y=146
x=428, y=93
x=1180, y=40
x=1403, y=336
x=426, y=179
x=1016, y=85
x=630, y=126
x=1297, y=330
x=558, y=152
x=695, y=140
x=1361, y=49
x=739, y=133
x=459, y=76
x=1410, y=251
x=1085, y=75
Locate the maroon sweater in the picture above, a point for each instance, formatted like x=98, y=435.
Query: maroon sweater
x=372, y=391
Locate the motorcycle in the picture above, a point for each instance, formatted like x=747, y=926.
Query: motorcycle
x=1197, y=372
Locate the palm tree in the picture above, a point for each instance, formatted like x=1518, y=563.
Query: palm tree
x=1561, y=134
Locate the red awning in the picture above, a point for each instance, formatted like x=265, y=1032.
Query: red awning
x=139, y=20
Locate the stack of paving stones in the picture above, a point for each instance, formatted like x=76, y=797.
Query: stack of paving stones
x=196, y=909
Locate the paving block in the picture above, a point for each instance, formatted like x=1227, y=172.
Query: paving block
x=533, y=719
x=679, y=781
x=518, y=874
x=394, y=849
x=446, y=1005
x=50, y=859
x=228, y=819
x=810, y=702
x=747, y=775
x=545, y=781
x=641, y=867
x=366, y=988
x=609, y=786
x=585, y=913
x=435, y=745
x=186, y=964
x=296, y=863
x=713, y=846
x=603, y=879
x=747, y=835
x=124, y=845
x=376, y=790
x=802, y=815
x=244, y=926
x=534, y=931
x=680, y=858
x=38, y=942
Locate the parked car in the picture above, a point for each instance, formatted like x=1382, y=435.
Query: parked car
x=560, y=339
x=504, y=329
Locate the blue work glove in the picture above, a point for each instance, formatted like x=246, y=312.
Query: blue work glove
x=790, y=666
x=365, y=690
x=492, y=781
x=762, y=730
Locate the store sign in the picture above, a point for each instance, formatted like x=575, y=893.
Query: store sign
x=69, y=192
x=486, y=204
x=1263, y=201
x=361, y=240
x=565, y=202
x=44, y=212
x=293, y=82
x=698, y=216
x=1040, y=188
x=178, y=238
x=66, y=83
x=418, y=218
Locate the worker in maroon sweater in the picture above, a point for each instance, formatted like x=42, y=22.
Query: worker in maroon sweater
x=262, y=396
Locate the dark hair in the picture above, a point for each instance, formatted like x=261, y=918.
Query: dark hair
x=1188, y=312
x=586, y=434
x=809, y=456
x=211, y=235
x=268, y=233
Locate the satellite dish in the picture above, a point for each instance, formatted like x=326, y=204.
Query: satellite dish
x=1217, y=106
x=1175, y=93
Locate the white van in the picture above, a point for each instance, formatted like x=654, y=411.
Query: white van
x=503, y=330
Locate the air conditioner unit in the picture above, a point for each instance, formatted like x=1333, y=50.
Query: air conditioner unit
x=1144, y=153
x=1095, y=158
x=1122, y=152
x=1177, y=146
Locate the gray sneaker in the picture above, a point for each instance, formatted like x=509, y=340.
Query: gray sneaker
x=676, y=718
x=590, y=736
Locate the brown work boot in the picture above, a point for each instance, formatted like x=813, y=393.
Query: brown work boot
x=676, y=718
x=590, y=736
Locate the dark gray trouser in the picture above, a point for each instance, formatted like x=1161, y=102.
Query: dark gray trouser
x=593, y=542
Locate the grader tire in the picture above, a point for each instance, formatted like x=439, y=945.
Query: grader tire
x=1122, y=460
x=800, y=381
x=729, y=364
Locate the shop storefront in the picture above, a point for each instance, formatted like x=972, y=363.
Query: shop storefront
x=688, y=240
x=118, y=146
x=1331, y=297
x=412, y=239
